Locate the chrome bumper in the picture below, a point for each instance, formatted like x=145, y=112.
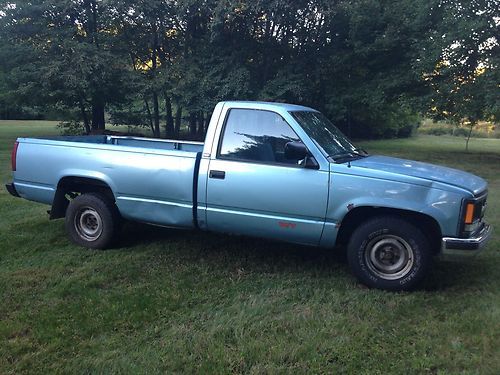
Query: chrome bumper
x=467, y=246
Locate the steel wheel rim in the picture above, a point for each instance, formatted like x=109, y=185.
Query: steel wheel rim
x=390, y=257
x=88, y=224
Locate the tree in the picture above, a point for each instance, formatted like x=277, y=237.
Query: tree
x=68, y=57
x=464, y=76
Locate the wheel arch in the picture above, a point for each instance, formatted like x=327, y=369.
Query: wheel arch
x=77, y=184
x=358, y=215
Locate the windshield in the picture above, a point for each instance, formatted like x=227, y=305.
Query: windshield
x=325, y=134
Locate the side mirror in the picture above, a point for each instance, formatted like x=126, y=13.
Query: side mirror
x=310, y=163
x=298, y=151
x=295, y=150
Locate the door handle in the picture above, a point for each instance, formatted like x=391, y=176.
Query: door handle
x=217, y=174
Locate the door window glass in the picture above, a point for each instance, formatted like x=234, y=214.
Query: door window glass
x=256, y=135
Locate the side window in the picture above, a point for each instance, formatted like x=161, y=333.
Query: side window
x=256, y=135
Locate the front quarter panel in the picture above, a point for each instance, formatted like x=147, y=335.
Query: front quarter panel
x=349, y=191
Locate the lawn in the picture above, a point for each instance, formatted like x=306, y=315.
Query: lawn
x=181, y=301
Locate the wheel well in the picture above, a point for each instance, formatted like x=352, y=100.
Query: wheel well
x=356, y=216
x=71, y=185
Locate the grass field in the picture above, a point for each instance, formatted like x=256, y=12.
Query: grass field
x=181, y=301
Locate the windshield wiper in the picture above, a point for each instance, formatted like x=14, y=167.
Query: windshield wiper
x=342, y=157
x=346, y=156
x=360, y=150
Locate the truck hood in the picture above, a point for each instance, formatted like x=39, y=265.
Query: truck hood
x=427, y=171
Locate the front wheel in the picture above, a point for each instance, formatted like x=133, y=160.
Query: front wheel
x=389, y=253
x=92, y=221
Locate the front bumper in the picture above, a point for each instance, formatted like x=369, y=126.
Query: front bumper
x=467, y=246
x=12, y=189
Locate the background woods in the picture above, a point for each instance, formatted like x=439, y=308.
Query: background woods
x=371, y=66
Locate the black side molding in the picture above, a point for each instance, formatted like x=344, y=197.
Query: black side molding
x=195, y=189
x=12, y=189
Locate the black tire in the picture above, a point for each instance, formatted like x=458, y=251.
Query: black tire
x=389, y=253
x=92, y=221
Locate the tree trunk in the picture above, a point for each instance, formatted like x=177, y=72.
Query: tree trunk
x=156, y=115
x=192, y=124
x=90, y=25
x=169, y=119
x=207, y=121
x=472, y=123
x=156, y=107
x=98, y=122
x=94, y=22
x=151, y=125
x=178, y=120
x=201, y=124
x=85, y=118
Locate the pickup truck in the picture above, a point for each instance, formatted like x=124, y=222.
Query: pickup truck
x=273, y=170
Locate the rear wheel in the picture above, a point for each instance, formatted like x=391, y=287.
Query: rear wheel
x=92, y=221
x=389, y=253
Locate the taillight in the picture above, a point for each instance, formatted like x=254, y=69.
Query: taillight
x=14, y=156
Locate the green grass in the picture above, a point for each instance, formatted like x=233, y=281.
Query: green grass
x=182, y=301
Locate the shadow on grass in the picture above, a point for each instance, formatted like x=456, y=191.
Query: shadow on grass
x=461, y=275
x=224, y=252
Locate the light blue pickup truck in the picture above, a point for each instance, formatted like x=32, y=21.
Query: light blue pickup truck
x=271, y=170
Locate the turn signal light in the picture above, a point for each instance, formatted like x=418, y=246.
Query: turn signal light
x=469, y=213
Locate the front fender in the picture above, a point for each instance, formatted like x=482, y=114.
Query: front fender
x=352, y=191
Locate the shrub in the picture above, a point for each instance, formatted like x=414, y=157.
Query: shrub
x=72, y=127
x=481, y=130
x=436, y=130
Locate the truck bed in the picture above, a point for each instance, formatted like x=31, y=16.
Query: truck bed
x=152, y=180
x=151, y=143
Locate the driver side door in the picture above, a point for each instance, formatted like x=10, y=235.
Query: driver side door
x=253, y=189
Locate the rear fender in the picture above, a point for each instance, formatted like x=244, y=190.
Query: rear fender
x=81, y=183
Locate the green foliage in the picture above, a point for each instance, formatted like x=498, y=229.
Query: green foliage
x=370, y=65
x=436, y=130
x=464, y=80
x=481, y=130
x=72, y=127
x=457, y=132
x=61, y=53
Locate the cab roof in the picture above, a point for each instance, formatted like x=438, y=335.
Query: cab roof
x=266, y=105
